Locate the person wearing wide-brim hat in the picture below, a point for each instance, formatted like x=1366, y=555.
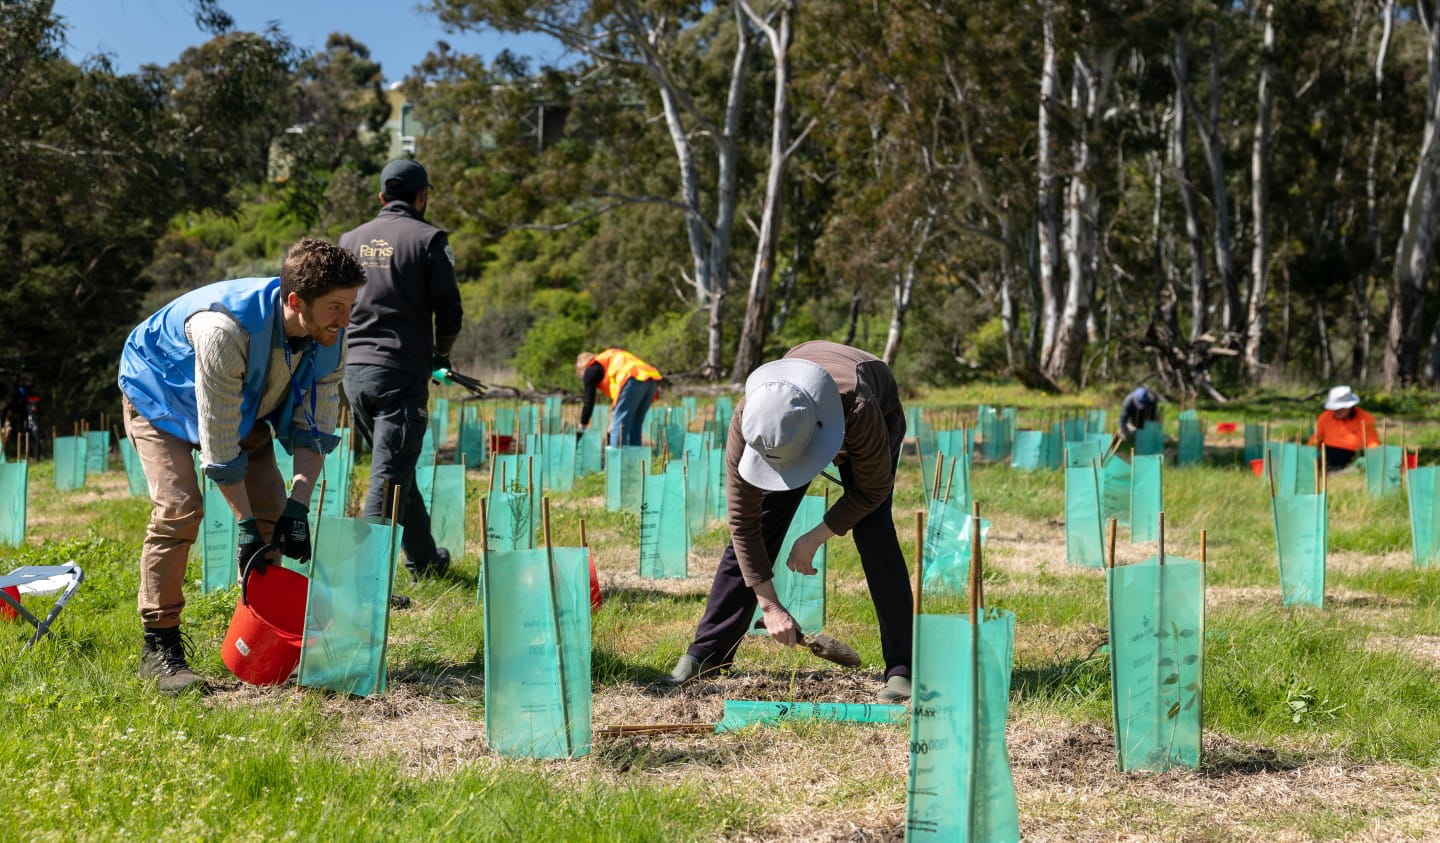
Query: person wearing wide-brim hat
x=822, y=402
x=1343, y=428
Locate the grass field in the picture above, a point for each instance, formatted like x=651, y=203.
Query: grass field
x=1320, y=724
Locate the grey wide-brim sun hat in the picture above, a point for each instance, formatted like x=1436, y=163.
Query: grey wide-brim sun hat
x=793, y=424
x=1340, y=398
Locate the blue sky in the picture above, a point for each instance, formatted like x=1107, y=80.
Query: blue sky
x=138, y=32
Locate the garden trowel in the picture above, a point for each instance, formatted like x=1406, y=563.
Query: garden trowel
x=827, y=648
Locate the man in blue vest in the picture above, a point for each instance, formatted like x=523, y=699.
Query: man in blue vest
x=217, y=370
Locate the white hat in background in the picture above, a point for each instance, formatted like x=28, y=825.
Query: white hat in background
x=793, y=424
x=1341, y=398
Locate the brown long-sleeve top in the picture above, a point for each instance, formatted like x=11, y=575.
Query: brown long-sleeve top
x=874, y=431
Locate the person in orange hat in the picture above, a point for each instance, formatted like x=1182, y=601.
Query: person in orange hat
x=1343, y=428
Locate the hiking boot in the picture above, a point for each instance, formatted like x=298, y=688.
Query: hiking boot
x=162, y=660
x=689, y=669
x=897, y=689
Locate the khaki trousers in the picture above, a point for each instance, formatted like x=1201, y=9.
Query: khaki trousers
x=178, y=508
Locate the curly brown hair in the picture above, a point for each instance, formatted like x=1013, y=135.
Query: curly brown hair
x=313, y=268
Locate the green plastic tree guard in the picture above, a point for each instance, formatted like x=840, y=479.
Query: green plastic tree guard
x=471, y=439
x=554, y=420
x=505, y=423
x=1080, y=454
x=803, y=596
x=14, y=486
x=69, y=462
x=1382, y=470
x=134, y=473
x=955, y=443
x=1115, y=484
x=559, y=453
x=697, y=492
x=1150, y=439
x=1028, y=452
x=691, y=407
x=443, y=489
x=1054, y=447
x=336, y=476
x=347, y=614
x=1083, y=544
x=960, y=786
x=1254, y=442
x=1157, y=643
x=510, y=521
x=284, y=463
x=717, y=496
x=664, y=540
x=1301, y=541
x=948, y=529
x=1074, y=430
x=1424, y=516
x=219, y=542
x=625, y=476
x=741, y=713
x=1191, y=449
x=590, y=453
x=427, y=448
x=1146, y=498
x=440, y=422
x=97, y=451
x=1096, y=423
x=724, y=410
x=537, y=652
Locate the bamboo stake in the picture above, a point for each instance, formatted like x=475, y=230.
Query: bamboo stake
x=555, y=625
x=1203, y=551
x=935, y=485
x=1270, y=473
x=917, y=603
x=950, y=478
x=627, y=729
x=1162, y=536
x=484, y=527
x=1110, y=556
x=1324, y=472
x=977, y=580
x=976, y=602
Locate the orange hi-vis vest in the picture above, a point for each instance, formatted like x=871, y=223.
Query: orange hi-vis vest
x=621, y=366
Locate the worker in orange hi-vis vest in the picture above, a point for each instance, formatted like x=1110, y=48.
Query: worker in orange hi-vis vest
x=629, y=382
x=1343, y=428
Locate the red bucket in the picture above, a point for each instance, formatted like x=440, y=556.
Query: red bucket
x=1412, y=460
x=8, y=613
x=500, y=444
x=1227, y=427
x=596, y=598
x=262, y=645
x=1257, y=467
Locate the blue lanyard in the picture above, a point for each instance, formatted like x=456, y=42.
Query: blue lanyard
x=295, y=388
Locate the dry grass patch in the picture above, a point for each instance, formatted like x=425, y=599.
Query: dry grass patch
x=1354, y=562
x=1425, y=648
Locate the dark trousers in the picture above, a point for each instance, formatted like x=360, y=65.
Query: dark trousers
x=390, y=408
x=1337, y=459
x=731, y=605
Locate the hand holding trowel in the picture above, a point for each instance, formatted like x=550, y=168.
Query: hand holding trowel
x=782, y=627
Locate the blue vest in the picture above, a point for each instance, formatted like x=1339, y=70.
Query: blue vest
x=157, y=367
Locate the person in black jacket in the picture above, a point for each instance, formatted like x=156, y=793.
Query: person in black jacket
x=402, y=328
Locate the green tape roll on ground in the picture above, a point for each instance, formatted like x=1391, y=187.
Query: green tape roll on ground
x=741, y=713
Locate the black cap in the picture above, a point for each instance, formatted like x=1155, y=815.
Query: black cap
x=403, y=177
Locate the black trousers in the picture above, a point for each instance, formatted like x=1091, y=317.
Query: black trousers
x=731, y=605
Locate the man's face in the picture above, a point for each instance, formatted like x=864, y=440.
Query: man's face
x=1345, y=413
x=326, y=315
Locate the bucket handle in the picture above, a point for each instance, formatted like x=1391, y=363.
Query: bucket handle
x=249, y=564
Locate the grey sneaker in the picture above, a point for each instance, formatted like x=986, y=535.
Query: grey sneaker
x=689, y=669
x=897, y=689
x=162, y=660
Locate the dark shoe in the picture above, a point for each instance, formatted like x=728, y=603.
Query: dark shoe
x=434, y=568
x=897, y=689
x=399, y=601
x=162, y=660
x=689, y=669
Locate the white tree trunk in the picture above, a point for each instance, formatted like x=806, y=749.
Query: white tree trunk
x=1199, y=281
x=904, y=286
x=1259, y=201
x=1047, y=205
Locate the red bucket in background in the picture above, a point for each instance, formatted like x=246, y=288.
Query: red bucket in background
x=1257, y=467
x=7, y=612
x=1412, y=460
x=262, y=645
x=1226, y=427
x=500, y=444
x=596, y=598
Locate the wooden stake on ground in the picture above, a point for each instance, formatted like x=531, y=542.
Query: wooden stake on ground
x=627, y=729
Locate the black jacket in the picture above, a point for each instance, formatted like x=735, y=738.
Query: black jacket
x=410, y=281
